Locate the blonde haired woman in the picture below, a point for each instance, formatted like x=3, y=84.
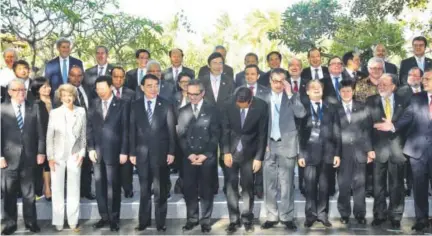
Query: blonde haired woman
x=66, y=142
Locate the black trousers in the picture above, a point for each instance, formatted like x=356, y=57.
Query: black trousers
x=259, y=181
x=408, y=174
x=422, y=175
x=352, y=177
x=156, y=176
x=301, y=182
x=370, y=178
x=216, y=174
x=247, y=194
x=86, y=176
x=108, y=190
x=14, y=180
x=396, y=190
x=317, y=187
x=198, y=179
x=126, y=173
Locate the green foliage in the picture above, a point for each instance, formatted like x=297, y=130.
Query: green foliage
x=379, y=9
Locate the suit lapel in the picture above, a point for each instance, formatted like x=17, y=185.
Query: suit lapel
x=99, y=110
x=397, y=108
x=112, y=108
x=378, y=103
x=250, y=112
x=156, y=113
x=222, y=85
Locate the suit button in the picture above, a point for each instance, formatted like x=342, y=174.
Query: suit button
x=205, y=127
x=200, y=138
x=192, y=137
x=200, y=147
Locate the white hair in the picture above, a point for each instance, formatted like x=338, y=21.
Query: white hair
x=11, y=50
x=63, y=40
x=153, y=62
x=295, y=58
x=15, y=81
x=375, y=60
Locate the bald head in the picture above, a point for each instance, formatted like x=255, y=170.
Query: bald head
x=380, y=51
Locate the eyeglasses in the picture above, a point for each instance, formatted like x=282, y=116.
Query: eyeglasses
x=18, y=90
x=193, y=94
x=376, y=68
x=336, y=63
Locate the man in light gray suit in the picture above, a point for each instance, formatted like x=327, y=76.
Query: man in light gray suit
x=282, y=150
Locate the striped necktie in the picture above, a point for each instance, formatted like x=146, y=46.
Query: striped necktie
x=149, y=111
x=20, y=119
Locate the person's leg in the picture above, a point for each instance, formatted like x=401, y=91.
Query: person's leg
x=206, y=192
x=58, y=195
x=100, y=177
x=286, y=180
x=380, y=179
x=397, y=193
x=73, y=192
x=232, y=192
x=247, y=193
x=359, y=190
x=28, y=194
x=345, y=180
x=10, y=191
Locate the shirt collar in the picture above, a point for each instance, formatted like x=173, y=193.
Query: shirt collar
x=319, y=68
x=391, y=98
x=336, y=76
x=249, y=85
x=213, y=77
x=420, y=58
x=199, y=104
x=349, y=104
x=109, y=99
x=180, y=68
x=152, y=100
x=15, y=105
x=62, y=59
x=104, y=66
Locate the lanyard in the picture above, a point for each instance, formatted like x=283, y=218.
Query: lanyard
x=313, y=113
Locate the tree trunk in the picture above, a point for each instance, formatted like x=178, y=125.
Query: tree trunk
x=33, y=61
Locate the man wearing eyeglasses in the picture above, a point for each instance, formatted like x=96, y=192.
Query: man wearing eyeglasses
x=419, y=60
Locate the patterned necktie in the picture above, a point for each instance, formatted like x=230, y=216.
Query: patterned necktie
x=149, y=111
x=118, y=93
x=316, y=74
x=295, y=86
x=195, y=110
x=20, y=119
x=348, y=112
x=387, y=108
x=336, y=87
x=176, y=74
x=100, y=70
x=65, y=72
x=81, y=101
x=141, y=76
x=252, y=90
x=215, y=88
x=105, y=109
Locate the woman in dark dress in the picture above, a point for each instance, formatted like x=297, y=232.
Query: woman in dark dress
x=41, y=89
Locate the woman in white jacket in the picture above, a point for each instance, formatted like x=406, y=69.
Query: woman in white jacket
x=66, y=143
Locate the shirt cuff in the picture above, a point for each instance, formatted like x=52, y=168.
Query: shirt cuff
x=393, y=129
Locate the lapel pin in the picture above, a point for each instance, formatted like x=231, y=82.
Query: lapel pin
x=159, y=103
x=223, y=83
x=202, y=114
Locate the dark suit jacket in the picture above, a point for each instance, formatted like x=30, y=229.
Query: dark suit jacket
x=178, y=98
x=253, y=135
x=131, y=79
x=32, y=141
x=387, y=145
x=409, y=63
x=261, y=91
x=53, y=71
x=90, y=96
x=416, y=118
x=307, y=73
x=330, y=93
x=168, y=74
x=108, y=137
x=166, y=91
x=127, y=94
x=226, y=89
x=199, y=135
x=389, y=68
x=358, y=76
x=227, y=71
x=265, y=79
x=329, y=137
x=151, y=143
x=241, y=80
x=355, y=136
x=91, y=75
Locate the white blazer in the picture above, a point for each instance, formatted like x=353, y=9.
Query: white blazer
x=57, y=133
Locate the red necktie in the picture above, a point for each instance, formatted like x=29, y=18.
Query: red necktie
x=430, y=108
x=295, y=86
x=118, y=93
x=252, y=90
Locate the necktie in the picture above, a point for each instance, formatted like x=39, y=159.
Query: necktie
x=275, y=132
x=348, y=112
x=252, y=90
x=420, y=64
x=295, y=86
x=149, y=111
x=141, y=76
x=64, y=72
x=387, y=108
x=215, y=88
x=336, y=84
x=100, y=70
x=118, y=93
x=355, y=75
x=105, y=110
x=316, y=74
x=430, y=108
x=81, y=101
x=20, y=119
x=176, y=74
x=319, y=112
x=242, y=119
x=195, y=110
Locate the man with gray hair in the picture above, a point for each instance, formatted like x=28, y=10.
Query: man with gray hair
x=6, y=73
x=227, y=70
x=380, y=51
x=101, y=68
x=367, y=86
x=57, y=69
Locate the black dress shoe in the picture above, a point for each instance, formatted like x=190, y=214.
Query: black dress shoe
x=308, y=223
x=326, y=223
x=259, y=194
x=8, y=230
x=232, y=227
x=249, y=228
x=344, y=220
x=141, y=227
x=161, y=228
x=377, y=222
x=419, y=226
x=268, y=224
x=189, y=226
x=369, y=194
x=408, y=192
x=89, y=196
x=290, y=225
x=129, y=194
x=361, y=220
x=100, y=224
x=395, y=224
x=205, y=228
x=114, y=227
x=33, y=228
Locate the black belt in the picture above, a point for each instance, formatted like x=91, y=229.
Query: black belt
x=272, y=139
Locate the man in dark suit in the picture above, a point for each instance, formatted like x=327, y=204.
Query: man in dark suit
x=126, y=94
x=107, y=115
x=381, y=52
x=171, y=73
x=21, y=69
x=274, y=60
x=219, y=88
x=250, y=59
x=316, y=70
x=419, y=60
x=198, y=133
x=152, y=135
x=352, y=62
x=85, y=95
x=22, y=148
x=332, y=83
x=389, y=156
x=101, y=68
x=227, y=70
x=134, y=76
x=320, y=145
x=418, y=146
x=356, y=152
x=244, y=140
x=57, y=70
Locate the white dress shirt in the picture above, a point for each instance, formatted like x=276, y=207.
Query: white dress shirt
x=199, y=105
x=320, y=72
x=420, y=62
x=179, y=70
x=333, y=82
x=298, y=80
x=315, y=107
x=276, y=98
x=103, y=70
x=348, y=106
x=153, y=103
x=144, y=72
x=215, y=83
x=115, y=90
x=6, y=75
x=350, y=72
x=105, y=112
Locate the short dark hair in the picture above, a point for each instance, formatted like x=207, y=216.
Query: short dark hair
x=278, y=71
x=420, y=38
x=333, y=57
x=243, y=94
x=251, y=54
x=36, y=84
x=347, y=83
x=314, y=81
x=170, y=51
x=20, y=62
x=104, y=78
x=347, y=56
x=118, y=68
x=276, y=53
x=139, y=51
x=183, y=74
x=197, y=82
x=213, y=56
x=313, y=49
x=252, y=66
x=149, y=77
x=103, y=47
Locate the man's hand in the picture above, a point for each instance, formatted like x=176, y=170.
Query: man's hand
x=371, y=155
x=267, y=149
x=228, y=160
x=336, y=162
x=287, y=87
x=170, y=159
x=387, y=125
x=302, y=162
x=40, y=159
x=369, y=160
x=3, y=163
x=123, y=158
x=79, y=160
x=201, y=158
x=52, y=164
x=256, y=166
x=133, y=160
x=93, y=156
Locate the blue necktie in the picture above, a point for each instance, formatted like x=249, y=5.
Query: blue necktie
x=64, y=72
x=336, y=82
x=141, y=76
x=149, y=112
x=20, y=119
x=319, y=111
x=242, y=120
